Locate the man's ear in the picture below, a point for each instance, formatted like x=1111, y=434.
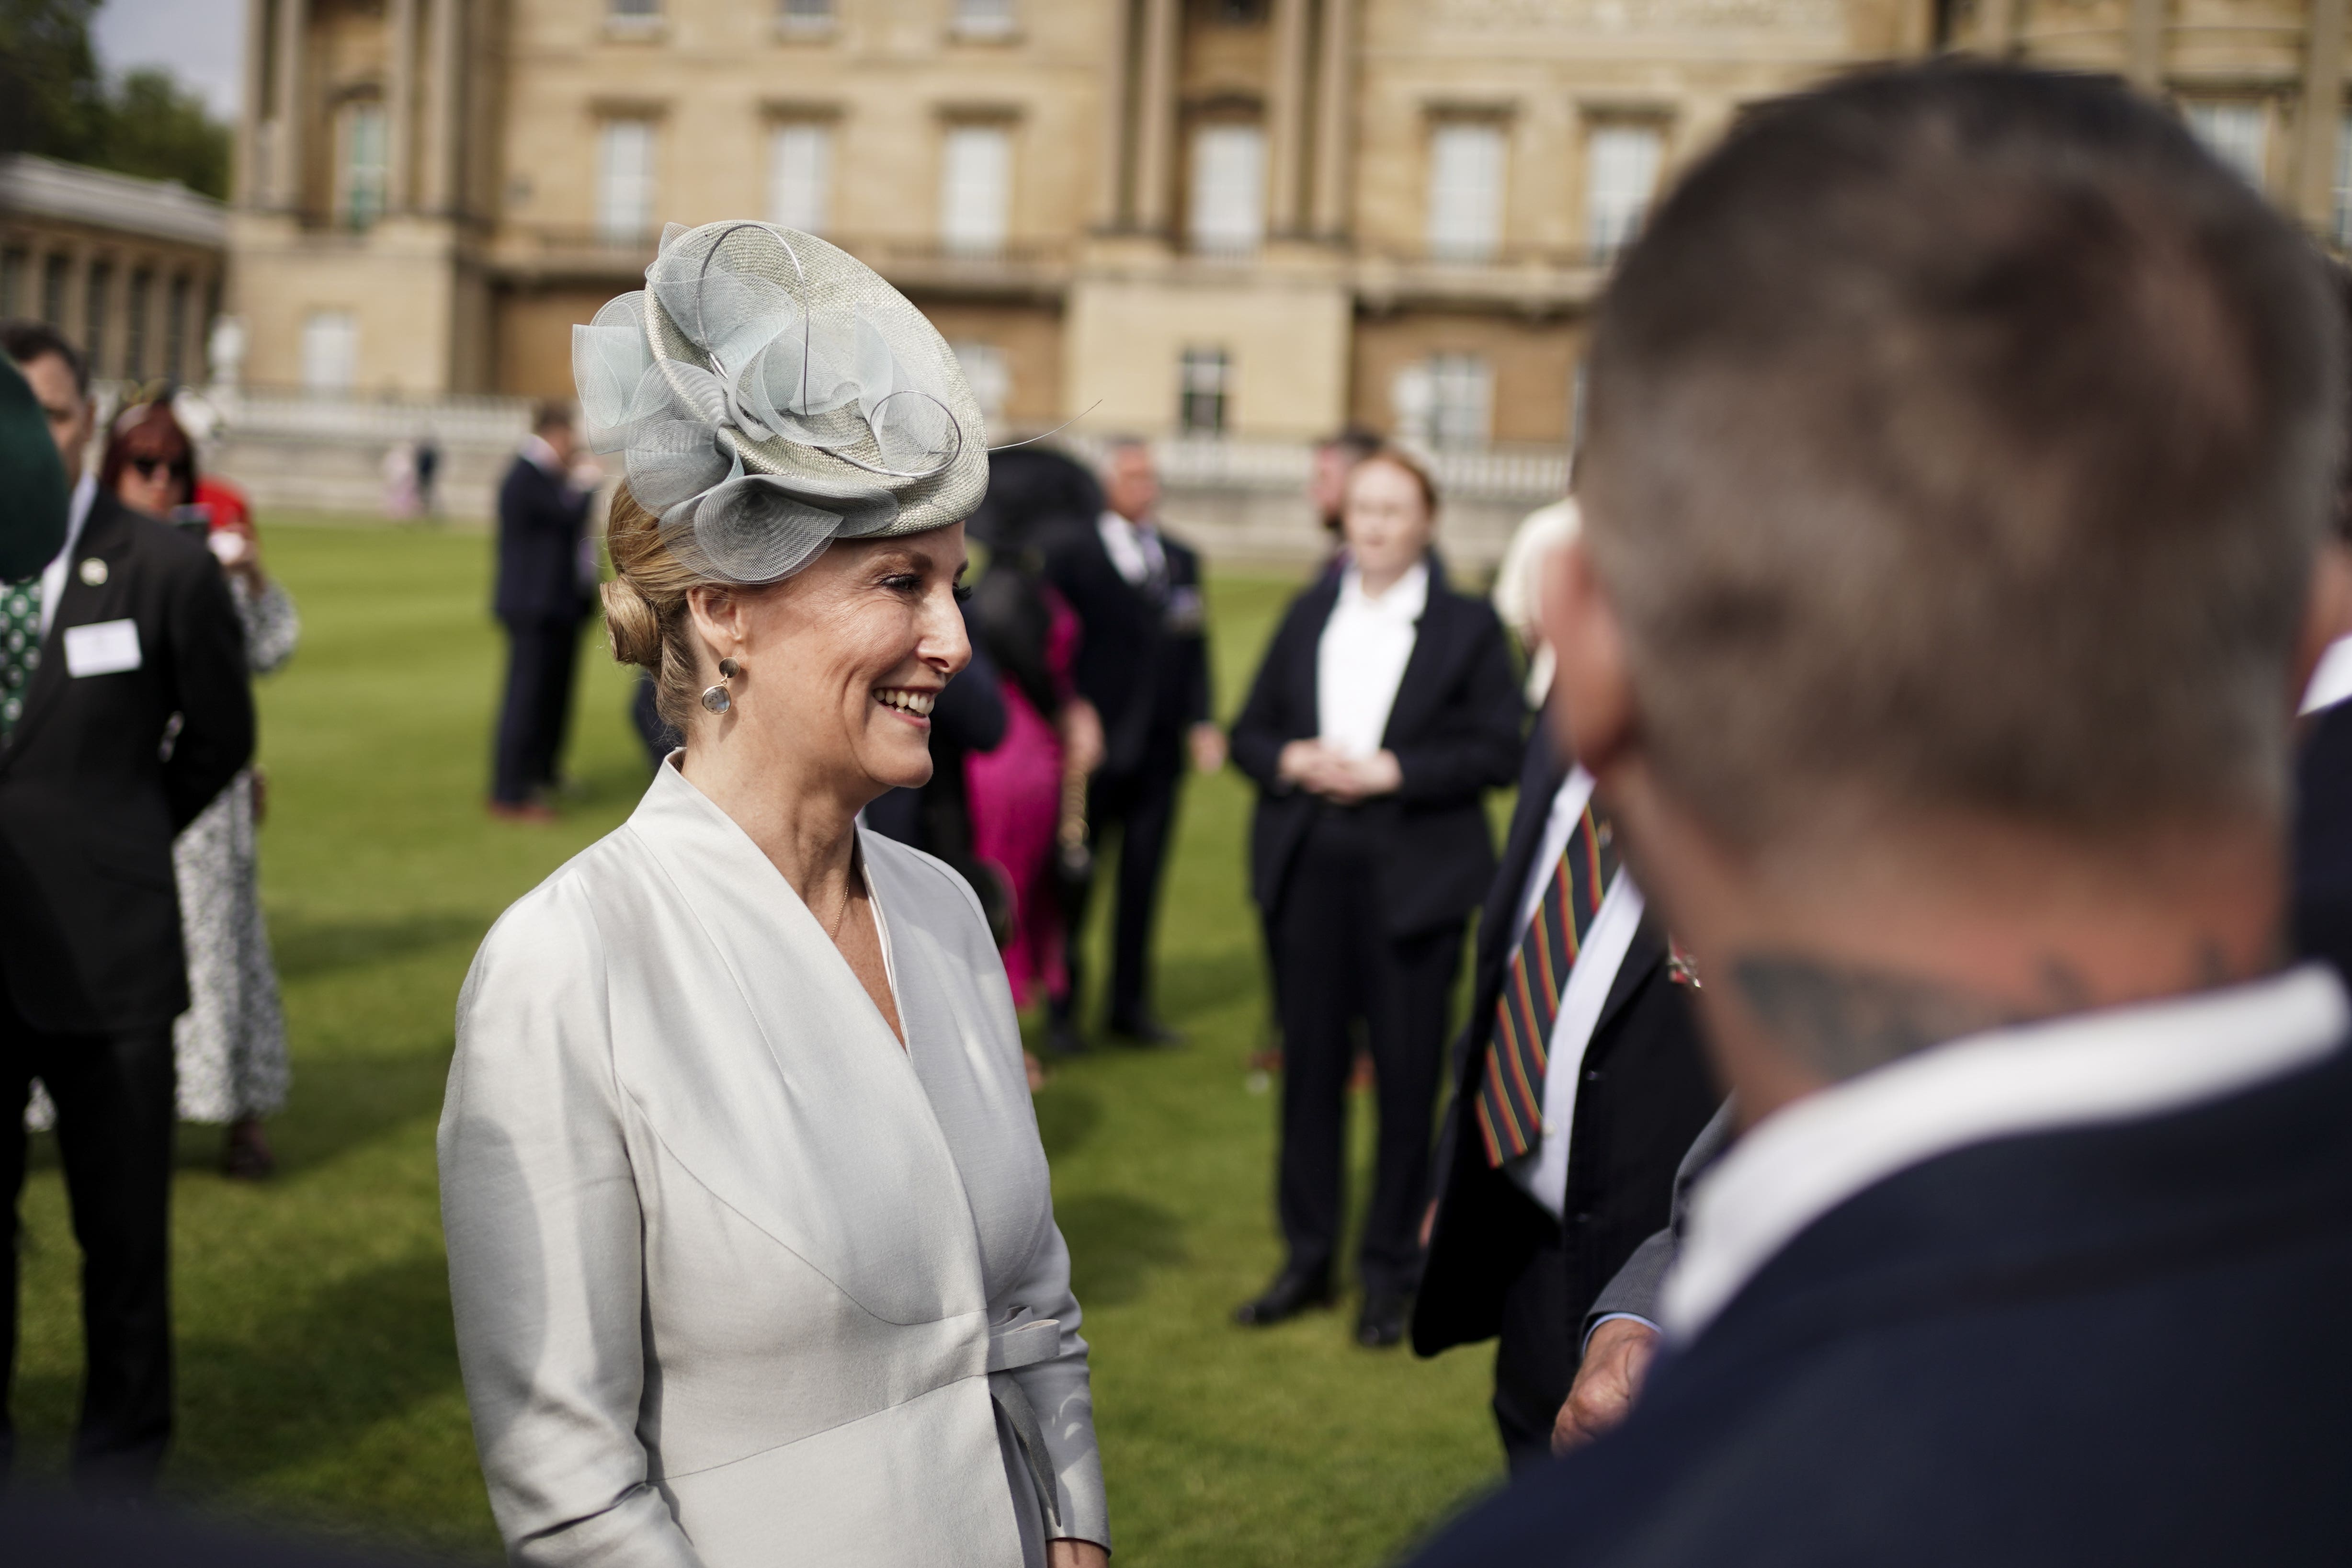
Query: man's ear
x=1592, y=706
x=2326, y=614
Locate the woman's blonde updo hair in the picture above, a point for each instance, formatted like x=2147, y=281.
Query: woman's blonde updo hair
x=645, y=618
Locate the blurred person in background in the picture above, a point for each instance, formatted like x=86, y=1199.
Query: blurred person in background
x=127, y=709
x=1334, y=458
x=1143, y=665
x=230, y=1044
x=1963, y=445
x=428, y=474
x=1385, y=710
x=1517, y=586
x=545, y=575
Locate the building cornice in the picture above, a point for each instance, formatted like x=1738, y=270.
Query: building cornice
x=147, y=209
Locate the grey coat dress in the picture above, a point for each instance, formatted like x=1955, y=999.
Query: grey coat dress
x=738, y=1280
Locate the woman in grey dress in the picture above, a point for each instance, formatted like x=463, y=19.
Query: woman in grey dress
x=752, y=1246
x=229, y=1046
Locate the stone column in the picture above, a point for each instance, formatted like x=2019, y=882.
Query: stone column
x=1155, y=129
x=437, y=192
x=252, y=161
x=399, y=97
x=2143, y=45
x=1110, y=171
x=1286, y=119
x=1334, y=117
x=286, y=141
x=2322, y=113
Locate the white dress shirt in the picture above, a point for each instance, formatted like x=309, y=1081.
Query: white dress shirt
x=1134, y=548
x=2331, y=679
x=1542, y=1171
x=2118, y=1063
x=1360, y=660
x=53, y=576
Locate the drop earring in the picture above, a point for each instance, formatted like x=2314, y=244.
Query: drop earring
x=719, y=699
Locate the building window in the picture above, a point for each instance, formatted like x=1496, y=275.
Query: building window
x=14, y=266
x=800, y=176
x=135, y=347
x=2234, y=132
x=1621, y=174
x=805, y=15
x=984, y=18
x=975, y=188
x=365, y=172
x=990, y=377
x=1228, y=201
x=53, y=273
x=1466, y=191
x=633, y=13
x=175, y=328
x=625, y=181
x=331, y=351
x=1204, y=382
x=1447, y=401
x=96, y=302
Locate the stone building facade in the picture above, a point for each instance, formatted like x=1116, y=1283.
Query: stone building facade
x=1248, y=219
x=130, y=270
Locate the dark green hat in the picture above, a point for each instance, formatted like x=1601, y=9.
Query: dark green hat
x=33, y=495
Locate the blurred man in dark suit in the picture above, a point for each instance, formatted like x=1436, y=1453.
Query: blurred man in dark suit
x=1962, y=442
x=546, y=575
x=124, y=707
x=1144, y=665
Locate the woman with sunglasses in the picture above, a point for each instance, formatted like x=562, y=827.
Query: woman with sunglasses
x=230, y=1044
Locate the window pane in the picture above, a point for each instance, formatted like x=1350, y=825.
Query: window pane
x=634, y=10
x=800, y=176
x=1621, y=174
x=1445, y=400
x=991, y=378
x=625, y=181
x=1203, y=379
x=53, y=273
x=14, y=265
x=974, y=186
x=2233, y=132
x=366, y=167
x=983, y=17
x=807, y=12
x=98, y=299
x=330, y=350
x=1228, y=209
x=1466, y=191
x=175, y=327
x=135, y=353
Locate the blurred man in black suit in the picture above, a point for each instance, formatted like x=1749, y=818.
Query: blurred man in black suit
x=545, y=577
x=125, y=709
x=1144, y=665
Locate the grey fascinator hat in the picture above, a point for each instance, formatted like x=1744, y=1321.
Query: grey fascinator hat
x=769, y=394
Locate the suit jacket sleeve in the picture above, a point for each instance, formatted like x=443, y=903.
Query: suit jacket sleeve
x=1478, y=744
x=1637, y=1286
x=214, y=693
x=1265, y=723
x=546, y=1272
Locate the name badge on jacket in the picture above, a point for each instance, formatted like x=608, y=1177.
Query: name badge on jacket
x=102, y=647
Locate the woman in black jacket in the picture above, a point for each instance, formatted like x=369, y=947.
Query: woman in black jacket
x=1386, y=708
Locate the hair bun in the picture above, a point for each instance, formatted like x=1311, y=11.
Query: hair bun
x=631, y=625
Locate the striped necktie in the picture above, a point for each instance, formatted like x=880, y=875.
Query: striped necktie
x=20, y=649
x=1511, y=1096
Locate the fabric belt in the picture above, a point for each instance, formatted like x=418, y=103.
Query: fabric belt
x=1023, y=1340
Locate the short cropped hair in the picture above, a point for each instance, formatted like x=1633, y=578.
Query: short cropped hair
x=551, y=414
x=26, y=341
x=1961, y=438
x=1359, y=441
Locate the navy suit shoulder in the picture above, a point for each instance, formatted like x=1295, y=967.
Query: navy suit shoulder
x=541, y=523
x=2013, y=1353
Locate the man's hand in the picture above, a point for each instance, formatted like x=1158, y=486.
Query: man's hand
x=1076, y=1554
x=1207, y=748
x=1616, y=1359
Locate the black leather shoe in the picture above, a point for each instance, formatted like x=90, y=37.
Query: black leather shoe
x=1143, y=1029
x=1293, y=1291
x=1381, y=1325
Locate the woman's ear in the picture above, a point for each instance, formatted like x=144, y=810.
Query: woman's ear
x=1591, y=708
x=717, y=614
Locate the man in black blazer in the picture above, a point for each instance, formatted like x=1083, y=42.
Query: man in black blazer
x=1144, y=665
x=545, y=577
x=136, y=712
x=1519, y=1247
x=1961, y=441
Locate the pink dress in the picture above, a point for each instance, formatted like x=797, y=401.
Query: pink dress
x=1015, y=796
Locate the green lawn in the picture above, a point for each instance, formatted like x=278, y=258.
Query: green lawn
x=318, y=1379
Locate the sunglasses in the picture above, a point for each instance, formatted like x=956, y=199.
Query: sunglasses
x=148, y=467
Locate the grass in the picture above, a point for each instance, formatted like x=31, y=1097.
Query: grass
x=318, y=1378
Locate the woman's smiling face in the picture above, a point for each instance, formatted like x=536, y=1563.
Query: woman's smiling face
x=842, y=662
